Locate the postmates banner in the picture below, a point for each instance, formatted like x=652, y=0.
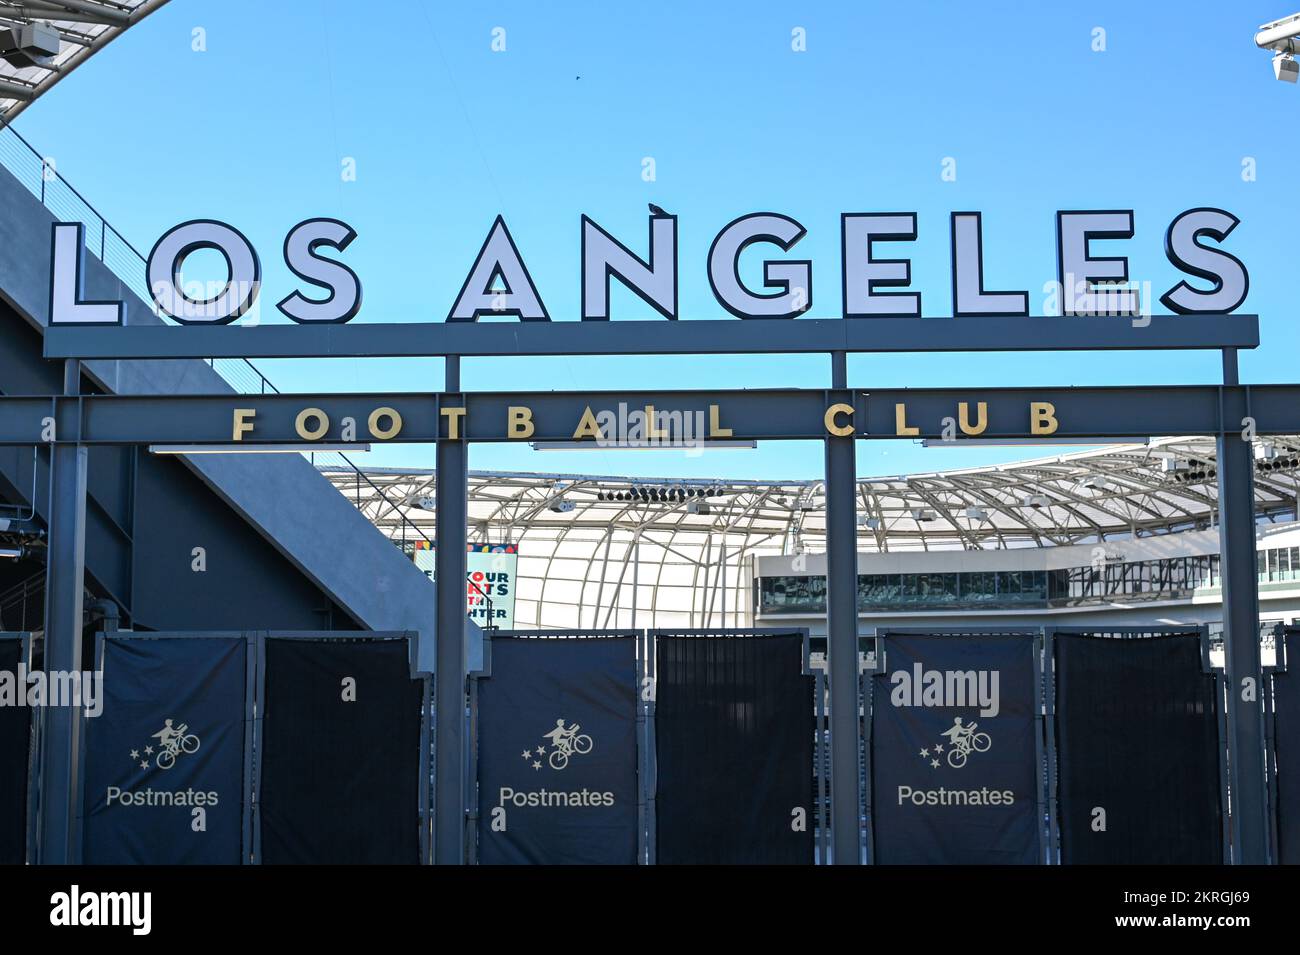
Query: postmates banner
x=734, y=732
x=953, y=751
x=15, y=744
x=165, y=758
x=557, y=752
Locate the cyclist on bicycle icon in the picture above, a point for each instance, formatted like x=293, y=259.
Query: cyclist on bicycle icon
x=962, y=740
x=172, y=741
x=565, y=742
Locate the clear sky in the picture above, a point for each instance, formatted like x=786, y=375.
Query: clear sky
x=445, y=133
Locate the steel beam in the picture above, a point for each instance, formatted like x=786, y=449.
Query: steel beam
x=703, y=337
x=1243, y=669
x=1053, y=415
x=452, y=494
x=64, y=575
x=842, y=634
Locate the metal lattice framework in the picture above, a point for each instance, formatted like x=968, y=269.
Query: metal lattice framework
x=84, y=27
x=593, y=547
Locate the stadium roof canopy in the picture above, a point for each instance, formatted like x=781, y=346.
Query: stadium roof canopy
x=84, y=27
x=1166, y=485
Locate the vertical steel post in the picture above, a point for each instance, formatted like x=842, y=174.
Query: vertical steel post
x=1241, y=653
x=452, y=493
x=64, y=582
x=842, y=629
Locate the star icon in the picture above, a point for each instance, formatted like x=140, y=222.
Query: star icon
x=934, y=764
x=938, y=747
x=541, y=751
x=144, y=764
x=536, y=765
x=526, y=754
x=135, y=754
x=925, y=753
x=148, y=750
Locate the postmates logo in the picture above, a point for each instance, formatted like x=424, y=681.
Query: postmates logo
x=956, y=745
x=174, y=741
x=561, y=745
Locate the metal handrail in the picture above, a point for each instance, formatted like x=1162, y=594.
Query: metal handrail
x=48, y=174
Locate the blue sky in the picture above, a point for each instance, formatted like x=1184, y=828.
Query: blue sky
x=446, y=133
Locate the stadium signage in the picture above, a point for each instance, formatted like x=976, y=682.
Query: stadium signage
x=498, y=283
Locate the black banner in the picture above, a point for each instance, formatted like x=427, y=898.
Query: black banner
x=340, y=762
x=734, y=731
x=165, y=759
x=1137, y=751
x=1286, y=744
x=954, y=755
x=557, y=752
x=15, y=746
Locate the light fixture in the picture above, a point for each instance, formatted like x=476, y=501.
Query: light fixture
x=1281, y=37
x=30, y=44
x=977, y=514
x=350, y=448
x=613, y=446
x=12, y=553
x=1035, y=501
x=871, y=523
x=923, y=514
x=561, y=506
x=698, y=507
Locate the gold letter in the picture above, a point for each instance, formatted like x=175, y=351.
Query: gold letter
x=652, y=432
x=900, y=421
x=716, y=430
x=395, y=425
x=587, y=427
x=519, y=421
x=839, y=430
x=243, y=423
x=453, y=416
x=981, y=413
x=315, y=433
x=1042, y=417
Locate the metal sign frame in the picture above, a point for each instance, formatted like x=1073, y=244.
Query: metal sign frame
x=1229, y=412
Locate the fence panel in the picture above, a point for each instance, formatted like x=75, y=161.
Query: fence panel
x=734, y=739
x=1138, y=754
x=558, y=725
x=957, y=768
x=342, y=772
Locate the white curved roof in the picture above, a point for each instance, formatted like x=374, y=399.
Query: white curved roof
x=84, y=26
x=593, y=548
x=1165, y=486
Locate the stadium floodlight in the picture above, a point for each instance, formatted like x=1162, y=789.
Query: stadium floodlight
x=923, y=514
x=348, y=447
x=1283, y=38
x=30, y=44
x=1035, y=501
x=561, y=506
